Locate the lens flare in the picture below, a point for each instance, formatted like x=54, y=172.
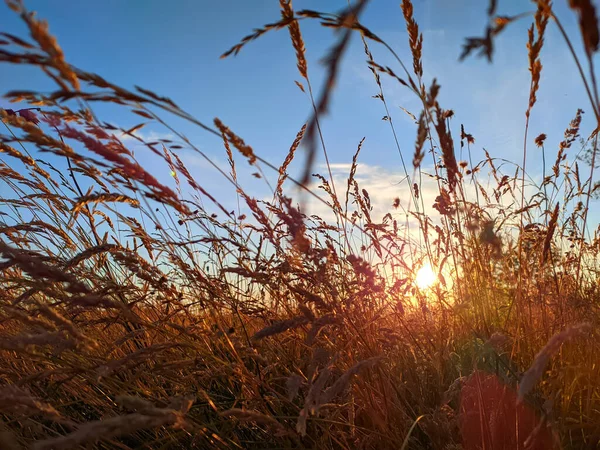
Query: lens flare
x=425, y=277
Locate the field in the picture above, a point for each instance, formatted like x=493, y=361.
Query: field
x=139, y=313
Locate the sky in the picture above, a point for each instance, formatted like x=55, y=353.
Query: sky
x=173, y=48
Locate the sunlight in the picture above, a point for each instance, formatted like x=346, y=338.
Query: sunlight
x=425, y=277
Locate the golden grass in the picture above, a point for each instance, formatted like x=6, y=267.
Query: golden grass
x=138, y=315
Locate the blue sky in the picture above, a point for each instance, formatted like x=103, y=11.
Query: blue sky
x=173, y=48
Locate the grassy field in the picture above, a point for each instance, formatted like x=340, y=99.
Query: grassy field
x=137, y=315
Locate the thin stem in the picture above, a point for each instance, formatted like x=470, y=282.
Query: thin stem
x=583, y=78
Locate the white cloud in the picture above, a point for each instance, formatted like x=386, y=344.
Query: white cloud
x=383, y=186
x=147, y=136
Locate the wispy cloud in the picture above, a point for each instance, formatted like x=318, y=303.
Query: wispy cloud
x=147, y=136
x=384, y=185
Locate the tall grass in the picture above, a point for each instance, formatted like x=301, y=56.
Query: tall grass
x=141, y=315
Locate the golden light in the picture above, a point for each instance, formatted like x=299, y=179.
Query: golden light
x=426, y=277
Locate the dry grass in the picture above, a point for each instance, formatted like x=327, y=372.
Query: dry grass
x=141, y=315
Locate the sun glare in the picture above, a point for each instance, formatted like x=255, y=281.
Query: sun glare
x=425, y=277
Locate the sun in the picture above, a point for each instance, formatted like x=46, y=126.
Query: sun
x=425, y=277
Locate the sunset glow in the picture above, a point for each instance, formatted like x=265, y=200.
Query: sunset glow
x=425, y=277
